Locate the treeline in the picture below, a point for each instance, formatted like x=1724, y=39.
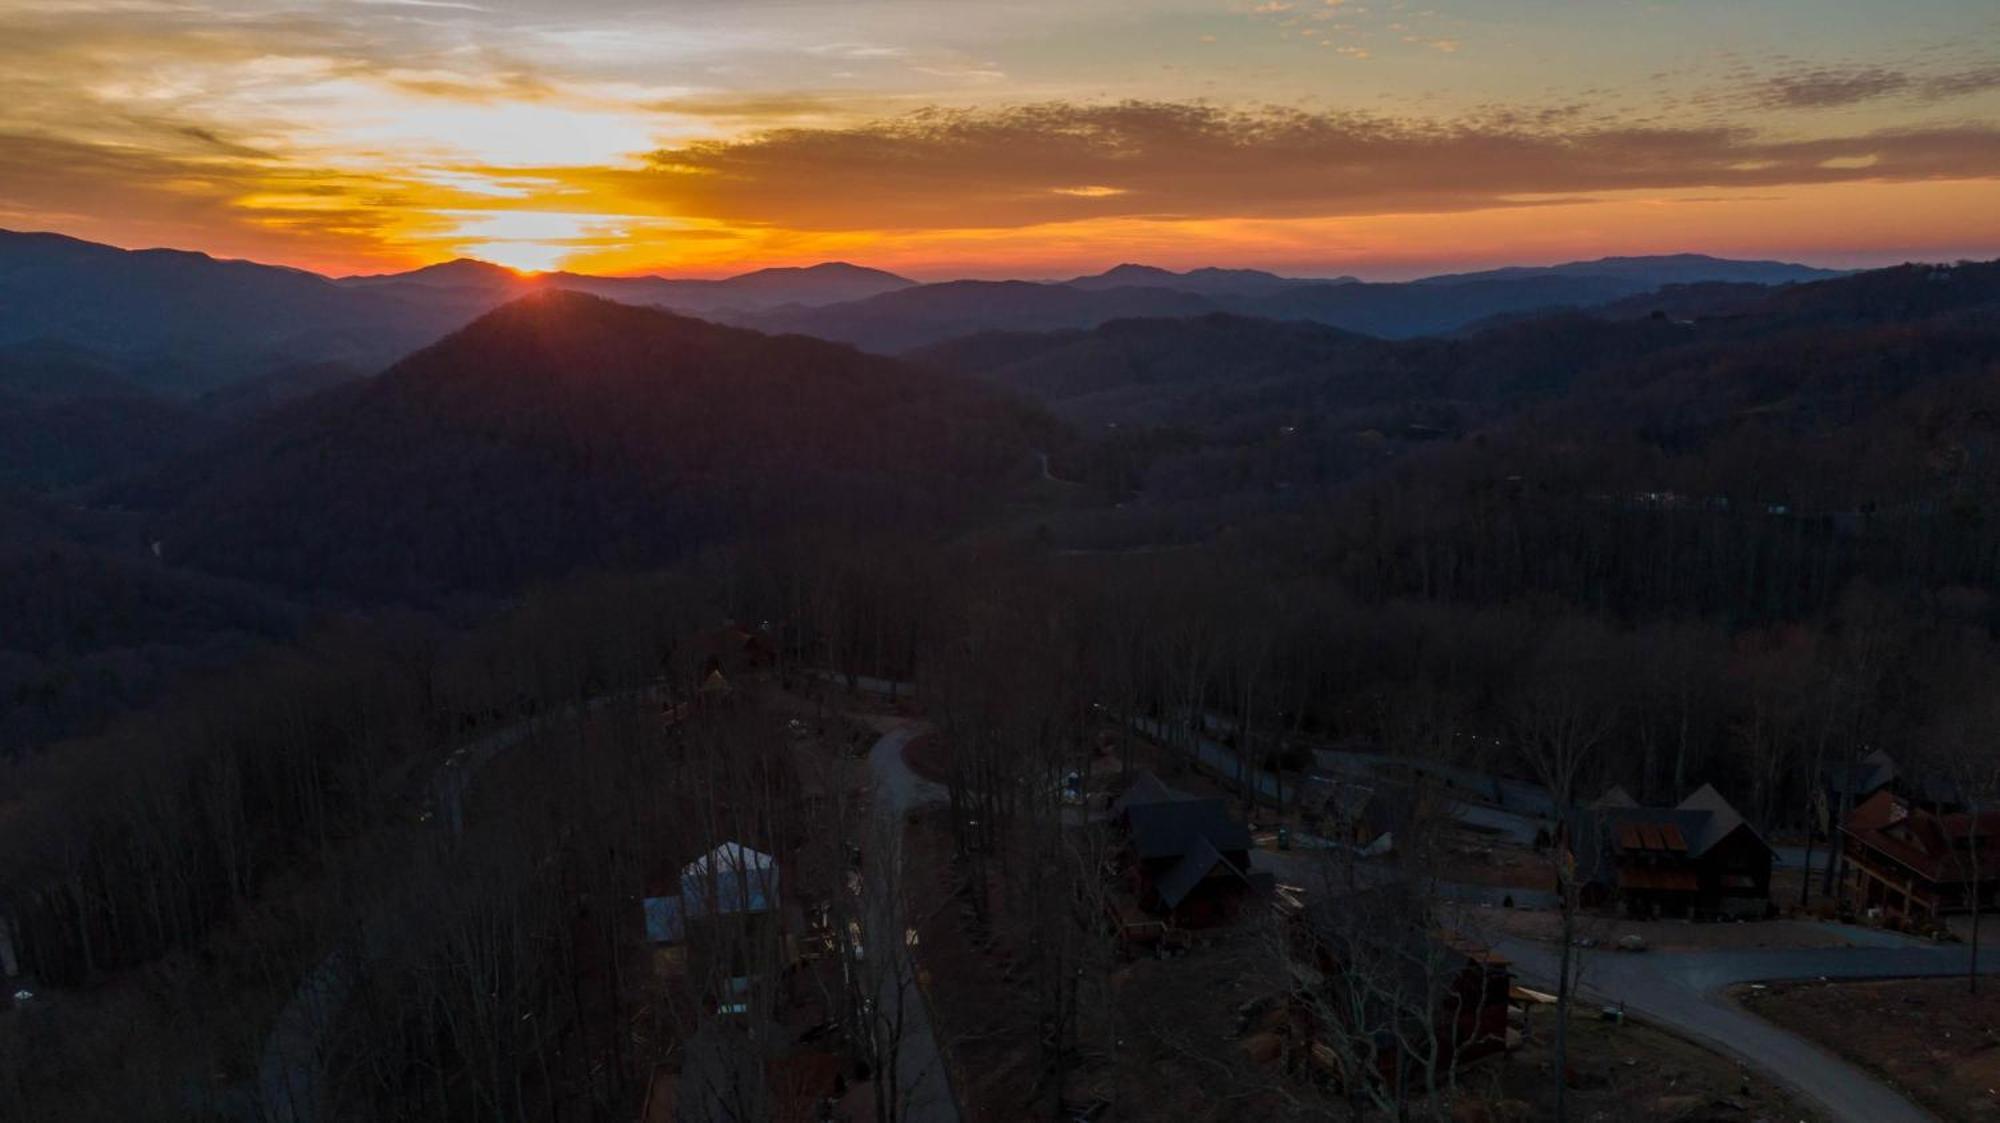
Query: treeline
x=129, y=845
x=309, y=831
x=1293, y=656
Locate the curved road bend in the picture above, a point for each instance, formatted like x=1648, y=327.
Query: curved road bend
x=1683, y=991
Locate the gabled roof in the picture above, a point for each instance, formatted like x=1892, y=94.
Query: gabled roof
x=1193, y=869
x=1864, y=777
x=733, y=877
x=1722, y=820
x=1875, y=812
x=1173, y=828
x=1615, y=797
x=1937, y=847
x=1147, y=788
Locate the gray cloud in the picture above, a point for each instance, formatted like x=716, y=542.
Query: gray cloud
x=1828, y=87
x=1832, y=87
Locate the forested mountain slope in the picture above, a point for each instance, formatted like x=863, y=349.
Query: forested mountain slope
x=563, y=431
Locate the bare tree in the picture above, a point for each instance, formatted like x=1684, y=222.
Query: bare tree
x=1964, y=755
x=1382, y=974
x=1562, y=719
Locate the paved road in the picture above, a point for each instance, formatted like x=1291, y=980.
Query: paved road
x=1683, y=992
x=920, y=1068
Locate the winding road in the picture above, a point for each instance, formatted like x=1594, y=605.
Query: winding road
x=1686, y=992
x=923, y=1079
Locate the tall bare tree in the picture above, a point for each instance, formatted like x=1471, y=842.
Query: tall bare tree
x=1562, y=718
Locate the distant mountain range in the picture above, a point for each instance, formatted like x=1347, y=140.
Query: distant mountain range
x=923, y=315
x=1802, y=358
x=1653, y=272
x=182, y=324
x=1206, y=282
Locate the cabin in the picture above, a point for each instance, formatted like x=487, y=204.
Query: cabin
x=1916, y=864
x=1185, y=858
x=1699, y=857
x=726, y=911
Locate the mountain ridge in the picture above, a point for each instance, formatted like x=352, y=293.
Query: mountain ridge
x=563, y=429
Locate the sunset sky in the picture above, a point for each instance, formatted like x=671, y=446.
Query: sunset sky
x=1010, y=137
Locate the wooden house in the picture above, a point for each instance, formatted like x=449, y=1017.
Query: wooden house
x=1186, y=859
x=1916, y=864
x=1700, y=857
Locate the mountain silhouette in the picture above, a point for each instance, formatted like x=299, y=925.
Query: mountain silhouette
x=563, y=430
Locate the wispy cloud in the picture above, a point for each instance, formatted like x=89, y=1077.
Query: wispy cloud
x=990, y=167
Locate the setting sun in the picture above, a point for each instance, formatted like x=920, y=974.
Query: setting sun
x=527, y=241
x=357, y=137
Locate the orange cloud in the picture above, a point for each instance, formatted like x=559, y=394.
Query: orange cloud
x=945, y=168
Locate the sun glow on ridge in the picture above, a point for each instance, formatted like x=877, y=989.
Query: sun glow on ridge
x=529, y=241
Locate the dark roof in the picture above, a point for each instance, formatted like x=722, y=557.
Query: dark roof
x=1723, y=819
x=1937, y=847
x=1599, y=832
x=1174, y=828
x=1596, y=834
x=1200, y=861
x=1931, y=788
x=1863, y=778
x=1147, y=788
